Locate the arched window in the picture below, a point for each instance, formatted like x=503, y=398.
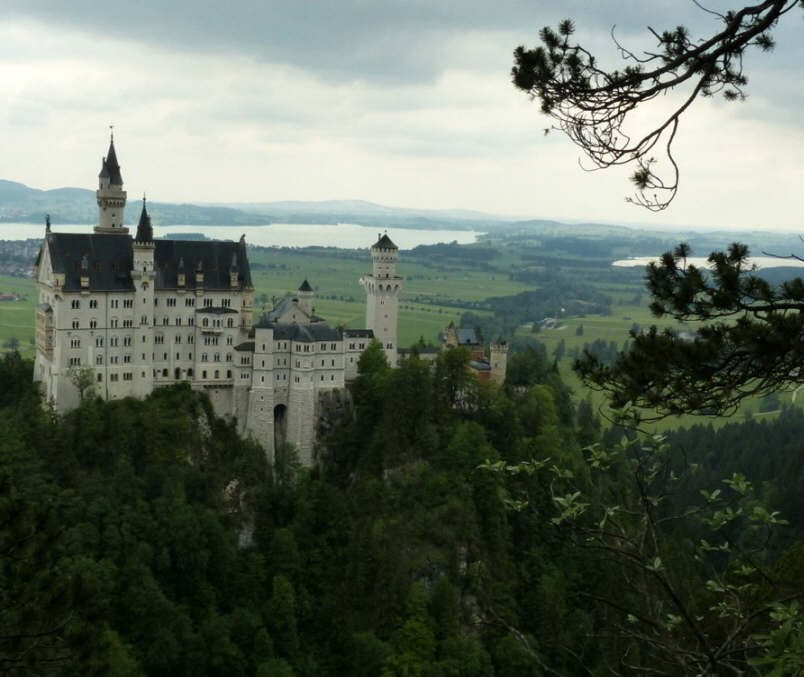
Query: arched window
x=205, y=323
x=190, y=373
x=204, y=374
x=165, y=373
x=177, y=373
x=217, y=373
x=228, y=373
x=230, y=322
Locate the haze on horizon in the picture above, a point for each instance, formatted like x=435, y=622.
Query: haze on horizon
x=405, y=104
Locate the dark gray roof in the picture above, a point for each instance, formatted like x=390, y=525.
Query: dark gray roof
x=468, y=337
x=216, y=310
x=305, y=286
x=215, y=258
x=145, y=233
x=303, y=333
x=384, y=242
x=111, y=167
x=480, y=366
x=248, y=346
x=110, y=258
x=358, y=333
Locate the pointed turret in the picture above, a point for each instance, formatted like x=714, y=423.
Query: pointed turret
x=145, y=232
x=306, y=298
x=110, y=195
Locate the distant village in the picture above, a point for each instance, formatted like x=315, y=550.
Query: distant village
x=17, y=258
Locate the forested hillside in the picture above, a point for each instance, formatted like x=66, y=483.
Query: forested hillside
x=451, y=529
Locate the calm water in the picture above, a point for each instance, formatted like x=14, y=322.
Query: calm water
x=344, y=235
x=702, y=262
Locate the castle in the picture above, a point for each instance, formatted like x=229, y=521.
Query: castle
x=136, y=313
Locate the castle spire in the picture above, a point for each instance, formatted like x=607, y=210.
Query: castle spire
x=145, y=232
x=110, y=195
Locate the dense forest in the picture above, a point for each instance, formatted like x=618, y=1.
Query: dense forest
x=452, y=528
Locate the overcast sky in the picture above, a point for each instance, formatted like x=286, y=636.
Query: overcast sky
x=406, y=103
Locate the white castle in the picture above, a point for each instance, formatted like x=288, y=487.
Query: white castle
x=137, y=313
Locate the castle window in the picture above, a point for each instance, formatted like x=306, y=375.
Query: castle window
x=208, y=303
x=333, y=363
x=165, y=321
x=144, y=319
x=204, y=357
x=99, y=342
x=189, y=373
x=351, y=346
x=156, y=302
x=333, y=346
x=205, y=323
x=229, y=340
x=159, y=339
x=75, y=343
x=177, y=338
x=203, y=374
x=128, y=303
x=75, y=361
x=216, y=357
x=245, y=360
x=322, y=377
x=226, y=303
x=191, y=339
x=244, y=374
x=177, y=374
x=178, y=356
x=75, y=324
x=228, y=357
x=126, y=340
x=332, y=378
x=323, y=346
x=113, y=323
x=113, y=378
x=230, y=322
x=93, y=304
x=217, y=373
x=113, y=303
x=128, y=376
x=191, y=321
x=171, y=302
x=189, y=302
x=75, y=304
x=322, y=363
x=100, y=378
x=113, y=342
x=127, y=359
x=128, y=323
x=178, y=322
x=229, y=373
x=113, y=359
x=164, y=373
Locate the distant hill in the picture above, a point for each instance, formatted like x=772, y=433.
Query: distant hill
x=22, y=204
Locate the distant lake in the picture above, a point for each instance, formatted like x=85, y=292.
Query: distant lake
x=344, y=235
x=703, y=262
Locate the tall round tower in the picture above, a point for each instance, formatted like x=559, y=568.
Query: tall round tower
x=382, y=295
x=110, y=195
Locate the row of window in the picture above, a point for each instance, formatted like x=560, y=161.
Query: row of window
x=172, y=302
x=114, y=323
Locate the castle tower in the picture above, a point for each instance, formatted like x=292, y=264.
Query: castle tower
x=499, y=359
x=110, y=195
x=382, y=295
x=306, y=298
x=143, y=275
